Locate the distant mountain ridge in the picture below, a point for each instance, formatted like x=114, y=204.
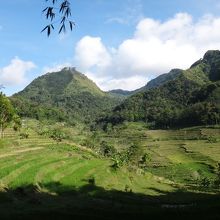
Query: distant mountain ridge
x=189, y=96
x=158, y=81
x=161, y=79
x=70, y=95
x=120, y=92
x=181, y=97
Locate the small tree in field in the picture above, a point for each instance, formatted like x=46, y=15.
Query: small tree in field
x=6, y=113
x=58, y=135
x=17, y=123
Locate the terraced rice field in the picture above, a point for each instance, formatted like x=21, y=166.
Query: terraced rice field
x=40, y=165
x=38, y=160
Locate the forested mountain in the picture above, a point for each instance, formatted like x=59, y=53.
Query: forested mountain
x=158, y=81
x=179, y=98
x=67, y=95
x=120, y=93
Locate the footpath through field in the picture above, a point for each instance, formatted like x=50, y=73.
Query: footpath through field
x=20, y=151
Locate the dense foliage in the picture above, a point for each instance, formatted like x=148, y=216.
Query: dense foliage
x=191, y=97
x=7, y=114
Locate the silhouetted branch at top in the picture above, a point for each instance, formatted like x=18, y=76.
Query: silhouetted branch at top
x=60, y=15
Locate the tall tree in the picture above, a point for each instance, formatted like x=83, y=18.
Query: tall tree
x=6, y=113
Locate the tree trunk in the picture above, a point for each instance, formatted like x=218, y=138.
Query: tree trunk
x=2, y=134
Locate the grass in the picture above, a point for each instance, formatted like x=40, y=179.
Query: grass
x=179, y=160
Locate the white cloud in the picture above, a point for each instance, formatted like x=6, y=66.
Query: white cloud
x=90, y=52
x=130, y=83
x=15, y=73
x=130, y=15
x=118, y=20
x=155, y=48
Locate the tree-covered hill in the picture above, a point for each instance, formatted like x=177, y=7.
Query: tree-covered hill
x=156, y=82
x=120, y=93
x=183, y=97
x=67, y=95
x=160, y=80
x=178, y=98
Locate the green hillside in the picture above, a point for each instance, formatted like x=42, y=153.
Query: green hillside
x=190, y=97
x=160, y=80
x=65, y=82
x=178, y=98
x=120, y=92
x=67, y=95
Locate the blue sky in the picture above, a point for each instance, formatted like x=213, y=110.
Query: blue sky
x=117, y=43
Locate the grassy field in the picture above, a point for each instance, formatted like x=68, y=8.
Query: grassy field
x=42, y=178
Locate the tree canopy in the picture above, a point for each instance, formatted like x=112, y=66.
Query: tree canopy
x=6, y=112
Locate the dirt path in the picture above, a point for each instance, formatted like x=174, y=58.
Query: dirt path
x=20, y=151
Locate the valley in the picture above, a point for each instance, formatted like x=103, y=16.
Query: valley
x=70, y=150
x=110, y=110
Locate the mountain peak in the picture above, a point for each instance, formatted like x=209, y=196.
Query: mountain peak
x=69, y=93
x=209, y=58
x=65, y=82
x=210, y=54
x=69, y=68
x=163, y=78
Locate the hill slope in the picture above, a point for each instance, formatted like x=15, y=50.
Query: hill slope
x=190, y=98
x=65, y=95
x=160, y=80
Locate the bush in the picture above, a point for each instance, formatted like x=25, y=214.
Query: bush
x=24, y=135
x=205, y=182
x=106, y=149
x=212, y=139
x=44, y=131
x=91, y=181
x=88, y=142
x=57, y=134
x=117, y=162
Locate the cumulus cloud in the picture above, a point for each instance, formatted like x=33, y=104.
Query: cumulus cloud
x=155, y=48
x=90, y=52
x=15, y=73
x=130, y=83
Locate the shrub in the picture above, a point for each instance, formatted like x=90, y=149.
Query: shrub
x=91, y=181
x=24, y=135
x=212, y=139
x=44, y=131
x=117, y=163
x=57, y=134
x=107, y=149
x=205, y=182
